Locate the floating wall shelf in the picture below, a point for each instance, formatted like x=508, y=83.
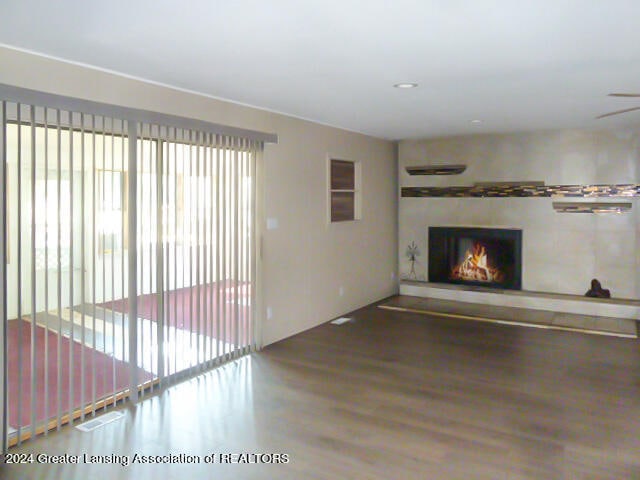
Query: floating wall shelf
x=591, y=207
x=436, y=170
x=517, y=190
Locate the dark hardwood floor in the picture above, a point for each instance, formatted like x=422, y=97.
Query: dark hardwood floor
x=389, y=395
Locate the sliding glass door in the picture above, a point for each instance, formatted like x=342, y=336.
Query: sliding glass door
x=196, y=238
x=129, y=259
x=65, y=252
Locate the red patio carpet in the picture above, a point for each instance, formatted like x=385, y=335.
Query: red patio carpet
x=183, y=305
x=98, y=367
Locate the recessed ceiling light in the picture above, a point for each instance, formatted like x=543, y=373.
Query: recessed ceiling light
x=406, y=85
x=476, y=122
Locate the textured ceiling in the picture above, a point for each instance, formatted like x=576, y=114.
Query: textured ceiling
x=514, y=65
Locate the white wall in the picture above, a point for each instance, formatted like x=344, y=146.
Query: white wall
x=306, y=260
x=561, y=252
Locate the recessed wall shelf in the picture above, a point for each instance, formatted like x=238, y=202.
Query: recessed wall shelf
x=578, y=191
x=591, y=207
x=436, y=170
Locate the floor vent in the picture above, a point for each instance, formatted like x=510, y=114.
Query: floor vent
x=100, y=421
x=341, y=320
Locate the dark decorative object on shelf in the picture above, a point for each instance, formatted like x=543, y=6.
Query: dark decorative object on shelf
x=412, y=253
x=436, y=170
x=597, y=291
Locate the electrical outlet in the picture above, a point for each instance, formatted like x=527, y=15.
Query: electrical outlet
x=341, y=291
x=269, y=313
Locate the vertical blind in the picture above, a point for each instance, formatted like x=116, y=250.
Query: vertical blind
x=196, y=242
x=129, y=259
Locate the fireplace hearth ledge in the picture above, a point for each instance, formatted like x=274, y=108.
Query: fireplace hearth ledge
x=553, y=302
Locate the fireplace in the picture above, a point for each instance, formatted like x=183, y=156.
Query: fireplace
x=490, y=257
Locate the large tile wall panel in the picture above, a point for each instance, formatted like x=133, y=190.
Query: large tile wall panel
x=562, y=252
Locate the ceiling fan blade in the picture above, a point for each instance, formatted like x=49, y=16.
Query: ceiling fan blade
x=624, y=94
x=618, y=112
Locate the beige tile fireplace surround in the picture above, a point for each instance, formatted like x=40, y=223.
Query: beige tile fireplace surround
x=561, y=252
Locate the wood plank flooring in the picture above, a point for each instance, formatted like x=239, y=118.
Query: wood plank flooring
x=389, y=395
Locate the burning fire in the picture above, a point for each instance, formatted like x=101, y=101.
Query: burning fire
x=475, y=267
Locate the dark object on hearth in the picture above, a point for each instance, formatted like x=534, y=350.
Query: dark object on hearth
x=597, y=291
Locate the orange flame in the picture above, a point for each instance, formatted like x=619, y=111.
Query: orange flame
x=476, y=268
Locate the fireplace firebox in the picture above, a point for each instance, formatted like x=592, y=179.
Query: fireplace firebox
x=490, y=257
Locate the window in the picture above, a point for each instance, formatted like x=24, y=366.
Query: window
x=112, y=210
x=46, y=219
x=344, y=195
